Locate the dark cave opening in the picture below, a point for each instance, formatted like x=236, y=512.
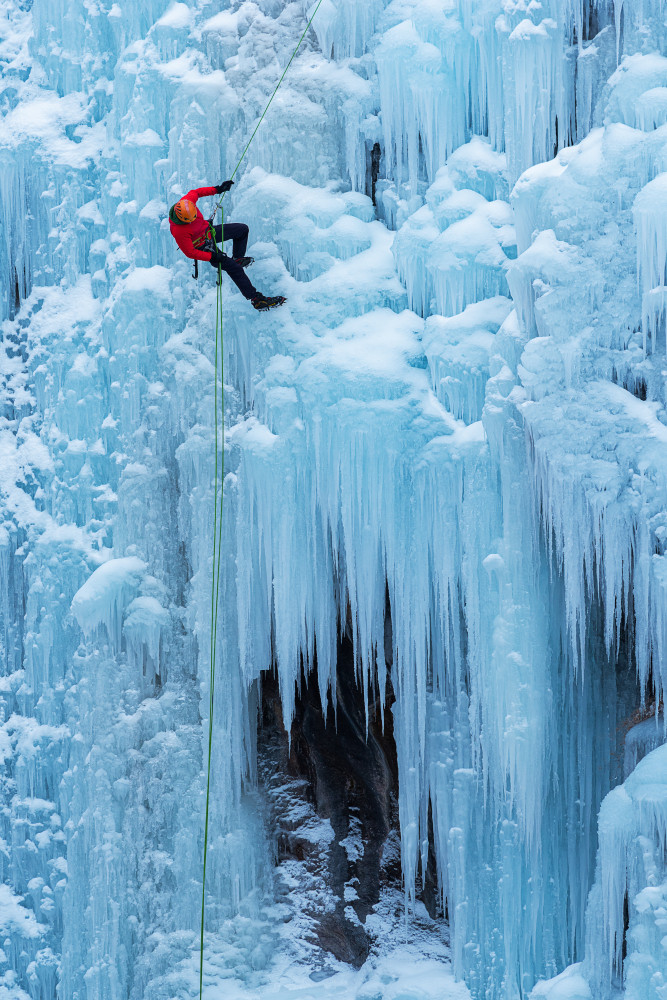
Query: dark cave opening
x=374, y=171
x=350, y=778
x=348, y=773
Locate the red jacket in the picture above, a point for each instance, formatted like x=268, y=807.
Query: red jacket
x=191, y=235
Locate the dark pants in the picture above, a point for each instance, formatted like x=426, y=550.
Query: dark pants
x=238, y=232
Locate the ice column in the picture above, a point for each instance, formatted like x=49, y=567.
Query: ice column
x=650, y=212
x=631, y=872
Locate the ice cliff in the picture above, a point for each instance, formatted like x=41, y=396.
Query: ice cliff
x=449, y=447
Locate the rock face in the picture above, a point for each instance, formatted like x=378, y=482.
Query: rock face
x=350, y=777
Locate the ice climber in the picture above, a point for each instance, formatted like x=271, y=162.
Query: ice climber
x=193, y=234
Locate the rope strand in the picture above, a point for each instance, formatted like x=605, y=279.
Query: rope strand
x=215, y=584
x=219, y=490
x=248, y=144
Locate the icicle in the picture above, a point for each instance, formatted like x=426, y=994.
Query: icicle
x=650, y=213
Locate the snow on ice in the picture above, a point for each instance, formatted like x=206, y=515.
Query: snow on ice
x=457, y=423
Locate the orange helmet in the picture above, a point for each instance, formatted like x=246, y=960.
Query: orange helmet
x=185, y=210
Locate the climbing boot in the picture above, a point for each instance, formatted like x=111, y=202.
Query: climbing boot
x=265, y=302
x=244, y=261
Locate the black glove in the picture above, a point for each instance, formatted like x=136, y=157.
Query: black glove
x=217, y=257
x=224, y=187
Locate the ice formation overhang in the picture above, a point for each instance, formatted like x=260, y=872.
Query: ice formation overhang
x=105, y=595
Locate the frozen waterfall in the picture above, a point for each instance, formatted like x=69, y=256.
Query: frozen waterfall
x=439, y=765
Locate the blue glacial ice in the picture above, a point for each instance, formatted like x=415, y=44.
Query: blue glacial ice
x=450, y=444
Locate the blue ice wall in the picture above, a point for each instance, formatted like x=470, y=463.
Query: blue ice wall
x=461, y=405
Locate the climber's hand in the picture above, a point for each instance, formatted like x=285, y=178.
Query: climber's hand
x=217, y=258
x=224, y=187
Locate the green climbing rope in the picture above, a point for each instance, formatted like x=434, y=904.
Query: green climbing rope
x=270, y=101
x=219, y=481
x=218, y=495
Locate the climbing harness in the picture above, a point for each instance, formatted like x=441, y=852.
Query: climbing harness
x=219, y=489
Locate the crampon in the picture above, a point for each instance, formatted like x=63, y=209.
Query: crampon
x=265, y=302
